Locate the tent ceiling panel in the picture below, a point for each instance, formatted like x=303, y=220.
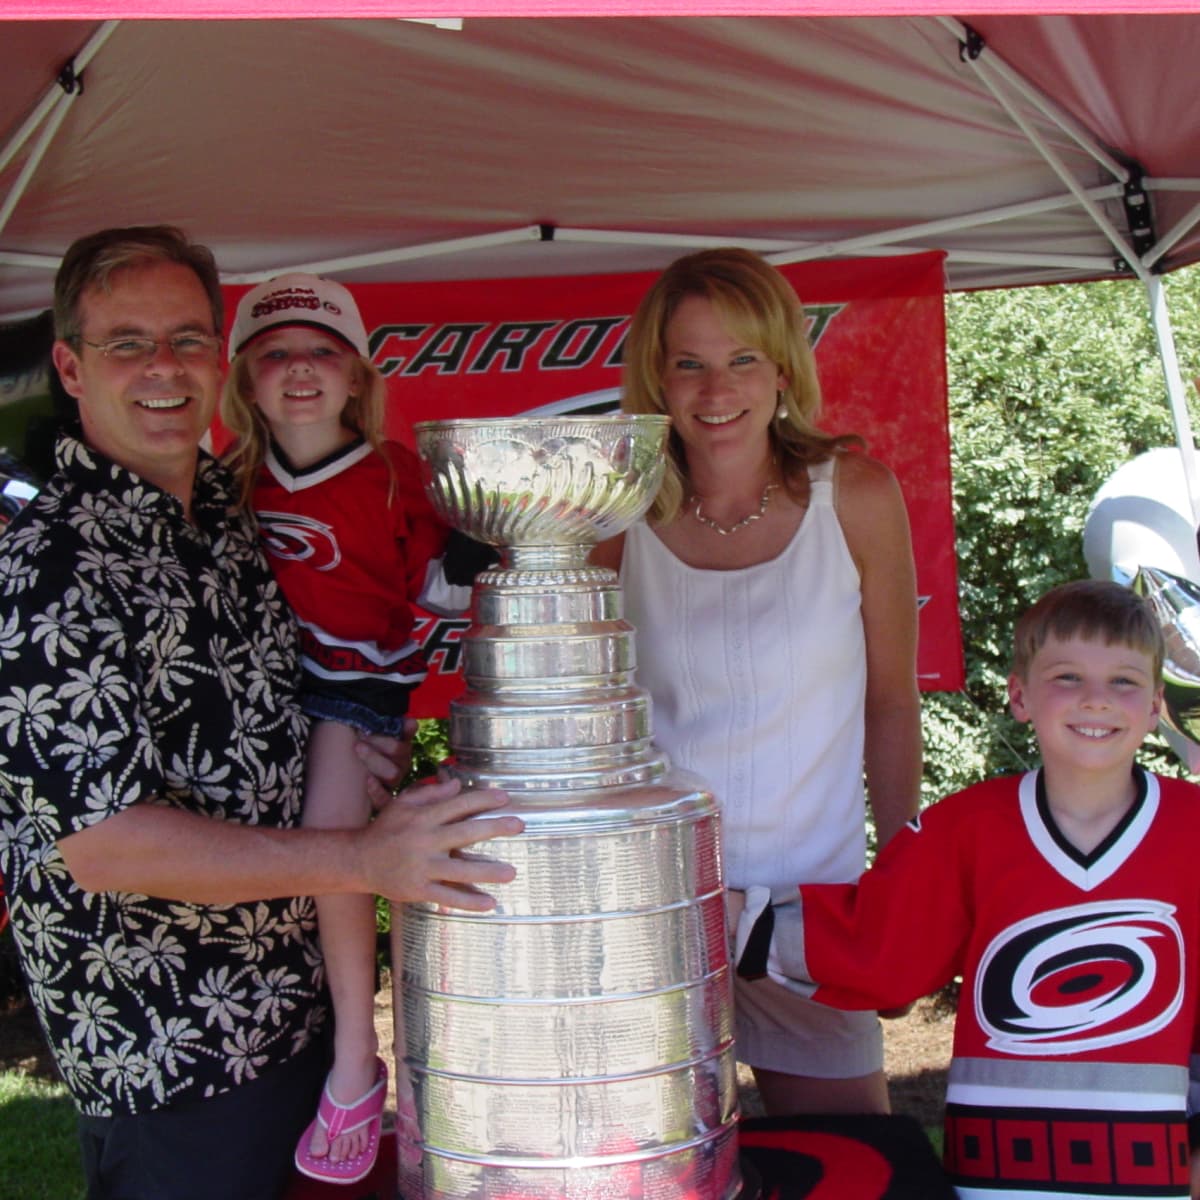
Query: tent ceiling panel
x=302, y=142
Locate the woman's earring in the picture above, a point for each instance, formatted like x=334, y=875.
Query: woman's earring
x=781, y=413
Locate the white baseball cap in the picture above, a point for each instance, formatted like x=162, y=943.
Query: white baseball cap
x=298, y=299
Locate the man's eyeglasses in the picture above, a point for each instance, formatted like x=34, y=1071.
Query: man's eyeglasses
x=187, y=347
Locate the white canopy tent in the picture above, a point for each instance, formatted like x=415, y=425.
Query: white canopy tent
x=1010, y=141
x=1031, y=148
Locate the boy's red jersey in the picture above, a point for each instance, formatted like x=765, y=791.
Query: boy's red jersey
x=1076, y=1018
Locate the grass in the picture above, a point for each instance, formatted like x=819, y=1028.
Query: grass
x=39, y=1152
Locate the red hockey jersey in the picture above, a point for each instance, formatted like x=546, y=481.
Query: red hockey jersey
x=1077, y=1013
x=350, y=563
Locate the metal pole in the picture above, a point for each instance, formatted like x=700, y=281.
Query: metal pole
x=1169, y=238
x=971, y=220
x=1161, y=319
x=34, y=160
x=354, y=262
x=55, y=93
x=1082, y=137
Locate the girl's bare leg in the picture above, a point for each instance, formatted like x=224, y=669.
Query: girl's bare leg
x=335, y=798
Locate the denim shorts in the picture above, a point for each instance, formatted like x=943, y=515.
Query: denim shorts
x=368, y=705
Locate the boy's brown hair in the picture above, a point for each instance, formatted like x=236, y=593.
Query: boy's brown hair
x=1092, y=609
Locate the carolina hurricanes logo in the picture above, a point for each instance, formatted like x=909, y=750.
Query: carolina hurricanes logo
x=287, y=535
x=1081, y=978
x=285, y=298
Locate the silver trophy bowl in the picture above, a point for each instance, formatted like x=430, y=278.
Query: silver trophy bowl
x=543, y=481
x=576, y=1042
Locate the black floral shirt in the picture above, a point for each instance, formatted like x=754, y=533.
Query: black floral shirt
x=143, y=658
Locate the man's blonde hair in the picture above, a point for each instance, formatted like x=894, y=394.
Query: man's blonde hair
x=92, y=261
x=1094, y=610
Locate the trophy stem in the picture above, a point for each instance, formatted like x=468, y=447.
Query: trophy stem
x=546, y=558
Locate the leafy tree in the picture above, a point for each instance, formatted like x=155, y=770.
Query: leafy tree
x=430, y=746
x=1051, y=389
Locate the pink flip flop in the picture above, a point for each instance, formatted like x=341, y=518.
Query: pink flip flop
x=337, y=1119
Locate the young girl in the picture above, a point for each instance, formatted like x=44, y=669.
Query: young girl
x=353, y=542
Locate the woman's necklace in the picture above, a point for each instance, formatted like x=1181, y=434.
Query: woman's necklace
x=747, y=520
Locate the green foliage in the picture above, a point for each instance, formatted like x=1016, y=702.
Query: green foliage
x=431, y=747
x=39, y=1151
x=1051, y=389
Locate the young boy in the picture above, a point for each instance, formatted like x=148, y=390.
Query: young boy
x=1068, y=899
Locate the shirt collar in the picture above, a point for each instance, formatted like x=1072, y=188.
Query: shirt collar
x=93, y=471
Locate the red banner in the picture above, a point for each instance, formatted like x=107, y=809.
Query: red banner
x=504, y=347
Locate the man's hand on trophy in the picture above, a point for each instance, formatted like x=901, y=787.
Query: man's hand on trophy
x=415, y=849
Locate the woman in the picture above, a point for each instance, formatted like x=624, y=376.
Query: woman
x=773, y=589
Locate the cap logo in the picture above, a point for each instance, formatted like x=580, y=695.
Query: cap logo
x=302, y=300
x=281, y=301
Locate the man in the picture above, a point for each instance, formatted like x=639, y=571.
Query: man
x=152, y=756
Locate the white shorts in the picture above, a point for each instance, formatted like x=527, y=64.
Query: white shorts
x=780, y=1031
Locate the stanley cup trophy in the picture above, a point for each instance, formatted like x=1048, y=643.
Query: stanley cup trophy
x=576, y=1042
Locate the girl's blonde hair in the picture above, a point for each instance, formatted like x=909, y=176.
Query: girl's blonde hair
x=761, y=309
x=364, y=413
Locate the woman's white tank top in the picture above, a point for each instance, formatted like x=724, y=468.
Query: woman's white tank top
x=758, y=679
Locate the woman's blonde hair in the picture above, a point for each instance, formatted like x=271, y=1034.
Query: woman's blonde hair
x=761, y=309
x=364, y=413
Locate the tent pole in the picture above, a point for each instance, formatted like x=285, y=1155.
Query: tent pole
x=996, y=75
x=55, y=94
x=1161, y=319
x=882, y=245
x=330, y=266
x=1170, y=183
x=1081, y=136
x=970, y=220
x=1093, y=265
x=34, y=160
x=39, y=262
x=1169, y=238
x=682, y=241
x=1056, y=165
